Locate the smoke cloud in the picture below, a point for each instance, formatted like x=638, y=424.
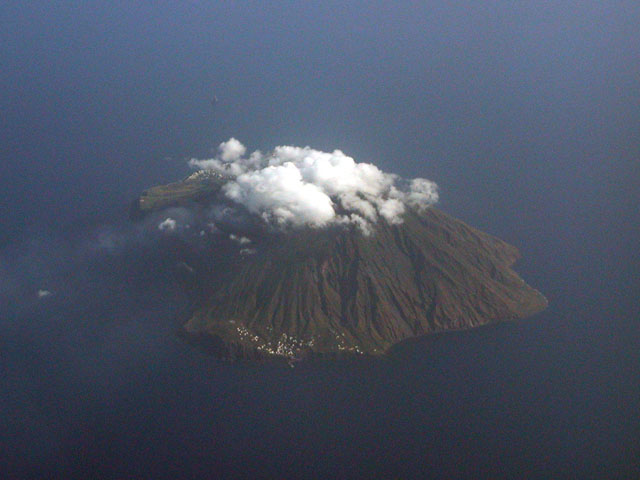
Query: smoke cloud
x=294, y=186
x=168, y=225
x=240, y=239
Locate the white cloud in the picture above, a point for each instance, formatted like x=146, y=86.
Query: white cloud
x=167, y=225
x=239, y=239
x=391, y=209
x=422, y=193
x=231, y=150
x=278, y=193
x=230, y=159
x=302, y=186
x=44, y=293
x=352, y=202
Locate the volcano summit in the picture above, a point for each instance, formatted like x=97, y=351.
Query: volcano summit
x=331, y=256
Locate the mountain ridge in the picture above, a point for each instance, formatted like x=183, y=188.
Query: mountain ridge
x=336, y=290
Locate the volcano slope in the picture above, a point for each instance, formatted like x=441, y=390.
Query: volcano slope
x=336, y=290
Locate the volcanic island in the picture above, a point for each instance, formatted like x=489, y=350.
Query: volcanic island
x=336, y=290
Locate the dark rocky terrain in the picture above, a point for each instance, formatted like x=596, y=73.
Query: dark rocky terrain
x=197, y=188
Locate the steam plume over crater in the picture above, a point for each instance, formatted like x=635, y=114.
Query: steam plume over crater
x=294, y=186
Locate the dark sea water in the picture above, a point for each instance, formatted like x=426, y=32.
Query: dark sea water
x=526, y=115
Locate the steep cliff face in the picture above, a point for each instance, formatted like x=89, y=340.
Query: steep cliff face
x=325, y=291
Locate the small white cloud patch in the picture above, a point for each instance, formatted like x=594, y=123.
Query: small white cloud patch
x=239, y=239
x=167, y=225
x=231, y=150
x=422, y=193
x=44, y=293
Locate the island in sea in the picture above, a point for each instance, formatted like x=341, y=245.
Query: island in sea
x=266, y=293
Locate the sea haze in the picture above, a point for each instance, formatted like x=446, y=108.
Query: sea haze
x=525, y=114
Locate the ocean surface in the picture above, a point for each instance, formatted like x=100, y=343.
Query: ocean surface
x=525, y=115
